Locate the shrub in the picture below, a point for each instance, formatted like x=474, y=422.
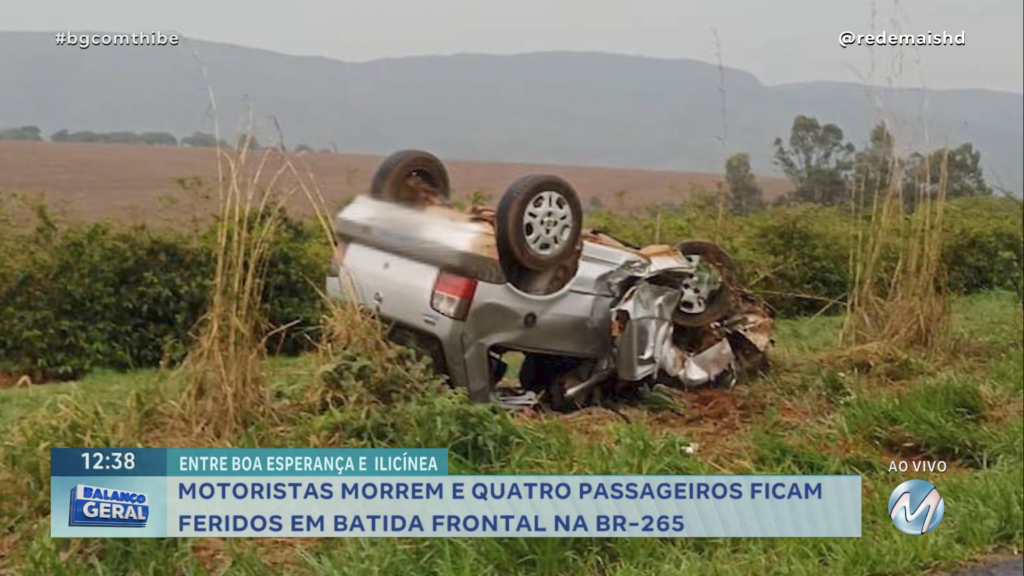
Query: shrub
x=801, y=255
x=798, y=256
x=297, y=265
x=983, y=244
x=94, y=296
x=82, y=296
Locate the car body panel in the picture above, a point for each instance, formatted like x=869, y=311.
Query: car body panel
x=399, y=289
x=439, y=236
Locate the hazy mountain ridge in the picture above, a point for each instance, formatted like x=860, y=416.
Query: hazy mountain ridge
x=553, y=107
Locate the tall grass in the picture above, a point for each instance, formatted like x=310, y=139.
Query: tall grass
x=226, y=389
x=906, y=306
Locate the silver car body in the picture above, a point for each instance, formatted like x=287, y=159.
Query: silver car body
x=393, y=255
x=399, y=283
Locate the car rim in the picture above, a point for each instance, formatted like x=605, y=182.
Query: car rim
x=547, y=223
x=698, y=287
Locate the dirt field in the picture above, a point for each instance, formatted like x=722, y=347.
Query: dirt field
x=104, y=180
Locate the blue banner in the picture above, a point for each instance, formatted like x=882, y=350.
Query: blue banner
x=407, y=493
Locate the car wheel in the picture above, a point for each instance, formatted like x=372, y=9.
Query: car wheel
x=700, y=303
x=411, y=177
x=539, y=222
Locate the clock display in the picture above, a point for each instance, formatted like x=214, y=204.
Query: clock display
x=109, y=461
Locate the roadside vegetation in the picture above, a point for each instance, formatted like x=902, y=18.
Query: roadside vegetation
x=171, y=337
x=820, y=412
x=81, y=296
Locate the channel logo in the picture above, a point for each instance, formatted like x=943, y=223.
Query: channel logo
x=95, y=506
x=916, y=507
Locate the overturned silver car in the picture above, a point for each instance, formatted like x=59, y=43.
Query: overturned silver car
x=591, y=315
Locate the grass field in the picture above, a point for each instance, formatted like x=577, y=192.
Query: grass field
x=823, y=410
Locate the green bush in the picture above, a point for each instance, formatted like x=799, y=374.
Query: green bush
x=295, y=274
x=798, y=257
x=83, y=296
x=984, y=244
x=91, y=296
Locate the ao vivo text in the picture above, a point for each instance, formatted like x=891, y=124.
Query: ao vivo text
x=917, y=466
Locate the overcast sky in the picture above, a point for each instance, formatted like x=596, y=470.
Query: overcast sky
x=779, y=41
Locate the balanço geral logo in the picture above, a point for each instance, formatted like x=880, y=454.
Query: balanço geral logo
x=916, y=507
x=96, y=506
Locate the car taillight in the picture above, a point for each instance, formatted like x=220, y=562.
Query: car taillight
x=453, y=295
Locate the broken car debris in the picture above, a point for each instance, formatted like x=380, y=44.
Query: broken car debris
x=591, y=315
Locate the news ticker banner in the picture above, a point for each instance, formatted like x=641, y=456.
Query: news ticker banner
x=306, y=492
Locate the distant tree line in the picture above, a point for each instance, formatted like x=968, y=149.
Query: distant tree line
x=203, y=140
x=88, y=136
x=196, y=140
x=826, y=169
x=23, y=133
x=33, y=133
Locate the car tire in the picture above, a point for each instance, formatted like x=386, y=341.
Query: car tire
x=411, y=177
x=539, y=223
x=722, y=301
